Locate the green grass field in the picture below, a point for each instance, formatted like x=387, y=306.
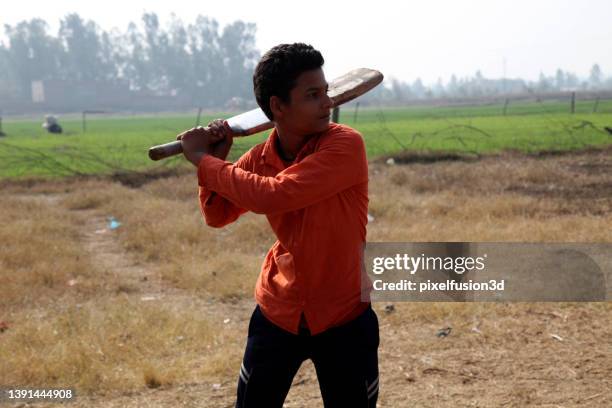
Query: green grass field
x=120, y=143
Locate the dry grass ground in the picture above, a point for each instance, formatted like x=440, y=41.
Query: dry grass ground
x=155, y=312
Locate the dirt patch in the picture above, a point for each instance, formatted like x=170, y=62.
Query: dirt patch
x=418, y=156
x=103, y=246
x=588, y=191
x=588, y=151
x=136, y=179
x=576, y=182
x=581, y=180
x=409, y=157
x=132, y=179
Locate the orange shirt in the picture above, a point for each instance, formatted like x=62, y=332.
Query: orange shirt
x=317, y=208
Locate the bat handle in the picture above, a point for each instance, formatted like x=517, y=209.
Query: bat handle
x=165, y=150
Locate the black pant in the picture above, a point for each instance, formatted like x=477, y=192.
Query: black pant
x=345, y=359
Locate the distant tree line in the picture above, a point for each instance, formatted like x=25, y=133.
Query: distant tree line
x=196, y=64
x=478, y=86
x=200, y=61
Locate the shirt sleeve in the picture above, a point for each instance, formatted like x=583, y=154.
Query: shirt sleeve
x=339, y=163
x=216, y=209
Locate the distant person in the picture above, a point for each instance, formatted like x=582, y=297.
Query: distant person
x=51, y=124
x=310, y=178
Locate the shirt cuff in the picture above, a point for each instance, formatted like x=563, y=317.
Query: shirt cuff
x=206, y=196
x=208, y=169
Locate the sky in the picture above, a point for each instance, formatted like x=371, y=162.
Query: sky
x=427, y=39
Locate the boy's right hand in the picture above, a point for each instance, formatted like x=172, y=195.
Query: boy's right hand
x=216, y=139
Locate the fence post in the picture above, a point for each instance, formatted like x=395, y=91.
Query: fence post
x=355, y=114
x=198, y=119
x=336, y=114
x=506, y=106
x=84, y=121
x=1, y=132
x=594, y=107
x=573, y=105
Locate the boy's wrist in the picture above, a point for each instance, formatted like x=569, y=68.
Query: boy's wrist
x=196, y=157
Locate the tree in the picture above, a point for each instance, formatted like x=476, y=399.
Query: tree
x=418, y=89
x=544, y=84
x=86, y=56
x=135, y=59
x=8, y=77
x=110, y=56
x=596, y=76
x=239, y=56
x=560, y=79
x=438, y=90
x=206, y=61
x=33, y=53
x=179, y=67
x=400, y=90
x=199, y=62
x=156, y=46
x=478, y=84
x=453, y=85
x=571, y=80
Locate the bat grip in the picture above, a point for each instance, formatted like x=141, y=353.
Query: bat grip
x=165, y=150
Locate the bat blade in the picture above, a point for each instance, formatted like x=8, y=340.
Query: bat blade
x=353, y=84
x=249, y=123
x=341, y=90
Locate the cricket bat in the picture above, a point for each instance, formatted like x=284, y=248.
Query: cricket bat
x=341, y=90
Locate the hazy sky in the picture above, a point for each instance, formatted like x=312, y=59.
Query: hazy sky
x=406, y=40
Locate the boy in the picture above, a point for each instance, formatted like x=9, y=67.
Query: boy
x=310, y=178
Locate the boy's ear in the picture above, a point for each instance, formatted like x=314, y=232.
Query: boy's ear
x=276, y=106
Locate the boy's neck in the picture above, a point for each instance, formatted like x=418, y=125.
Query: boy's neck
x=289, y=144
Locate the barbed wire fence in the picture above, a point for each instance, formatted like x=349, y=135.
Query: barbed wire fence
x=65, y=160
x=470, y=136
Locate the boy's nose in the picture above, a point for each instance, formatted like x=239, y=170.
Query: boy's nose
x=327, y=102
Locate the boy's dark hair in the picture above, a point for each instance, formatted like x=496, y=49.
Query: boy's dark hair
x=278, y=70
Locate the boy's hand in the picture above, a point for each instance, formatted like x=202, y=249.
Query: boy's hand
x=215, y=139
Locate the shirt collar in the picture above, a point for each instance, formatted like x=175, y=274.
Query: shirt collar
x=270, y=154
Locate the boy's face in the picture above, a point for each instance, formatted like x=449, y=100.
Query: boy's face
x=309, y=106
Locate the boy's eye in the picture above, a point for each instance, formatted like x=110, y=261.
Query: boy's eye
x=316, y=94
